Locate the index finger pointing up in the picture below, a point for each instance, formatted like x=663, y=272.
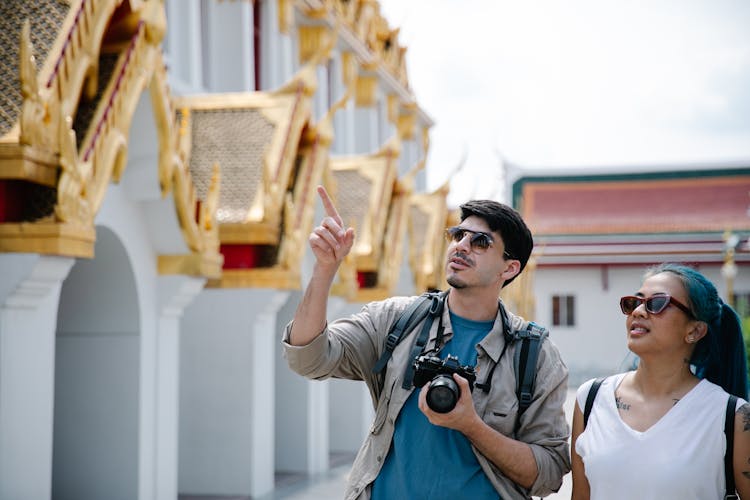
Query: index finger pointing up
x=328, y=205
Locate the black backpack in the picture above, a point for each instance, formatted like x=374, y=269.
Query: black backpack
x=431, y=303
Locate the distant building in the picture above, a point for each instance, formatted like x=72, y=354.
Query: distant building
x=596, y=232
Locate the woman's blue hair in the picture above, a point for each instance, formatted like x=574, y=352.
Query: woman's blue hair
x=720, y=355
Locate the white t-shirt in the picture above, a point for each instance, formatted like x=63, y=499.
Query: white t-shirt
x=680, y=457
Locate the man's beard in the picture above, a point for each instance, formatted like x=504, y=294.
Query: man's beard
x=456, y=283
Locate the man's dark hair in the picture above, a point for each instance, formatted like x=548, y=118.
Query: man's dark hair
x=506, y=221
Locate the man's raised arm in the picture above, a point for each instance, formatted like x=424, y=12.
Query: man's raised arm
x=330, y=243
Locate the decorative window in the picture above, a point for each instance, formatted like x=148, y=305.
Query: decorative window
x=563, y=310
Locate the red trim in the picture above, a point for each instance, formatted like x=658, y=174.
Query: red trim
x=13, y=194
x=360, y=279
x=115, y=92
x=65, y=46
x=367, y=279
x=198, y=211
x=240, y=256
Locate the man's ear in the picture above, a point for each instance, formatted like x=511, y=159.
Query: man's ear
x=511, y=270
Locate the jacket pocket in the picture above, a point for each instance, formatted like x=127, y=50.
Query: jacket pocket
x=501, y=417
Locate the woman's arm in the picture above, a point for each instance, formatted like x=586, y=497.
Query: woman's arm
x=581, y=489
x=742, y=451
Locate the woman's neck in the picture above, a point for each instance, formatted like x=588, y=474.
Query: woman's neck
x=663, y=379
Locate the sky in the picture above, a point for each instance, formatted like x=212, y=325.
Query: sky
x=583, y=84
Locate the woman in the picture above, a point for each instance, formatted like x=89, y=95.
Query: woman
x=658, y=432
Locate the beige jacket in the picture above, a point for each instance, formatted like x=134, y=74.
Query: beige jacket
x=349, y=348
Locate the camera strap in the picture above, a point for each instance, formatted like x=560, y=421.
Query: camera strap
x=436, y=309
x=426, y=304
x=508, y=339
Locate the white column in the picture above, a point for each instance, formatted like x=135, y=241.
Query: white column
x=29, y=294
x=228, y=63
x=175, y=293
x=264, y=338
x=278, y=51
x=320, y=99
x=366, y=134
x=351, y=415
x=346, y=130
x=184, y=41
x=351, y=411
x=227, y=367
x=302, y=412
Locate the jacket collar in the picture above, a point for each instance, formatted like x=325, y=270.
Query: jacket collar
x=503, y=331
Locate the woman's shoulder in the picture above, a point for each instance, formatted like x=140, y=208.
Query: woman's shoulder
x=607, y=383
x=716, y=392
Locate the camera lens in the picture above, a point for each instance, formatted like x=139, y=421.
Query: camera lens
x=443, y=394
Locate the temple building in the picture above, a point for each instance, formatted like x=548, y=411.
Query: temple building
x=158, y=168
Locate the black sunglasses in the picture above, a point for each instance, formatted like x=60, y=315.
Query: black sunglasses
x=654, y=304
x=480, y=241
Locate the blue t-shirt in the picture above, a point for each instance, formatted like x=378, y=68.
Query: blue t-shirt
x=427, y=461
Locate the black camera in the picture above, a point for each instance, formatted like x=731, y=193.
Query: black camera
x=443, y=392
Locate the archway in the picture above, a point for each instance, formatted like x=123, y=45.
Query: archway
x=95, y=445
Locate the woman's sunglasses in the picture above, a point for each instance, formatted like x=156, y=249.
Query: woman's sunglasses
x=654, y=304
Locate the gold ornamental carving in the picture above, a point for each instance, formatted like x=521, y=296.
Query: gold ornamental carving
x=46, y=143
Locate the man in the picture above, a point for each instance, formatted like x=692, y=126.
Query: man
x=478, y=449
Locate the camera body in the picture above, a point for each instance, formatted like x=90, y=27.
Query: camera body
x=443, y=392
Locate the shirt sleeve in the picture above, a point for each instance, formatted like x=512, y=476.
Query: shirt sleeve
x=348, y=347
x=544, y=426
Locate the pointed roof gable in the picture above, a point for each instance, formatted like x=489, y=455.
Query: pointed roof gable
x=370, y=198
x=61, y=152
x=272, y=158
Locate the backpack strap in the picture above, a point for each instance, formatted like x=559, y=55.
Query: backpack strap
x=525, y=363
x=731, y=492
x=412, y=315
x=436, y=309
x=590, y=399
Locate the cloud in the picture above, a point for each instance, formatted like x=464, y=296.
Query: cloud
x=586, y=82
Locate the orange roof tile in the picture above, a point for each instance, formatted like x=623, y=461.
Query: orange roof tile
x=591, y=205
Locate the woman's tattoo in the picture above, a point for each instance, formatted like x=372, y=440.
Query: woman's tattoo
x=621, y=405
x=745, y=411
